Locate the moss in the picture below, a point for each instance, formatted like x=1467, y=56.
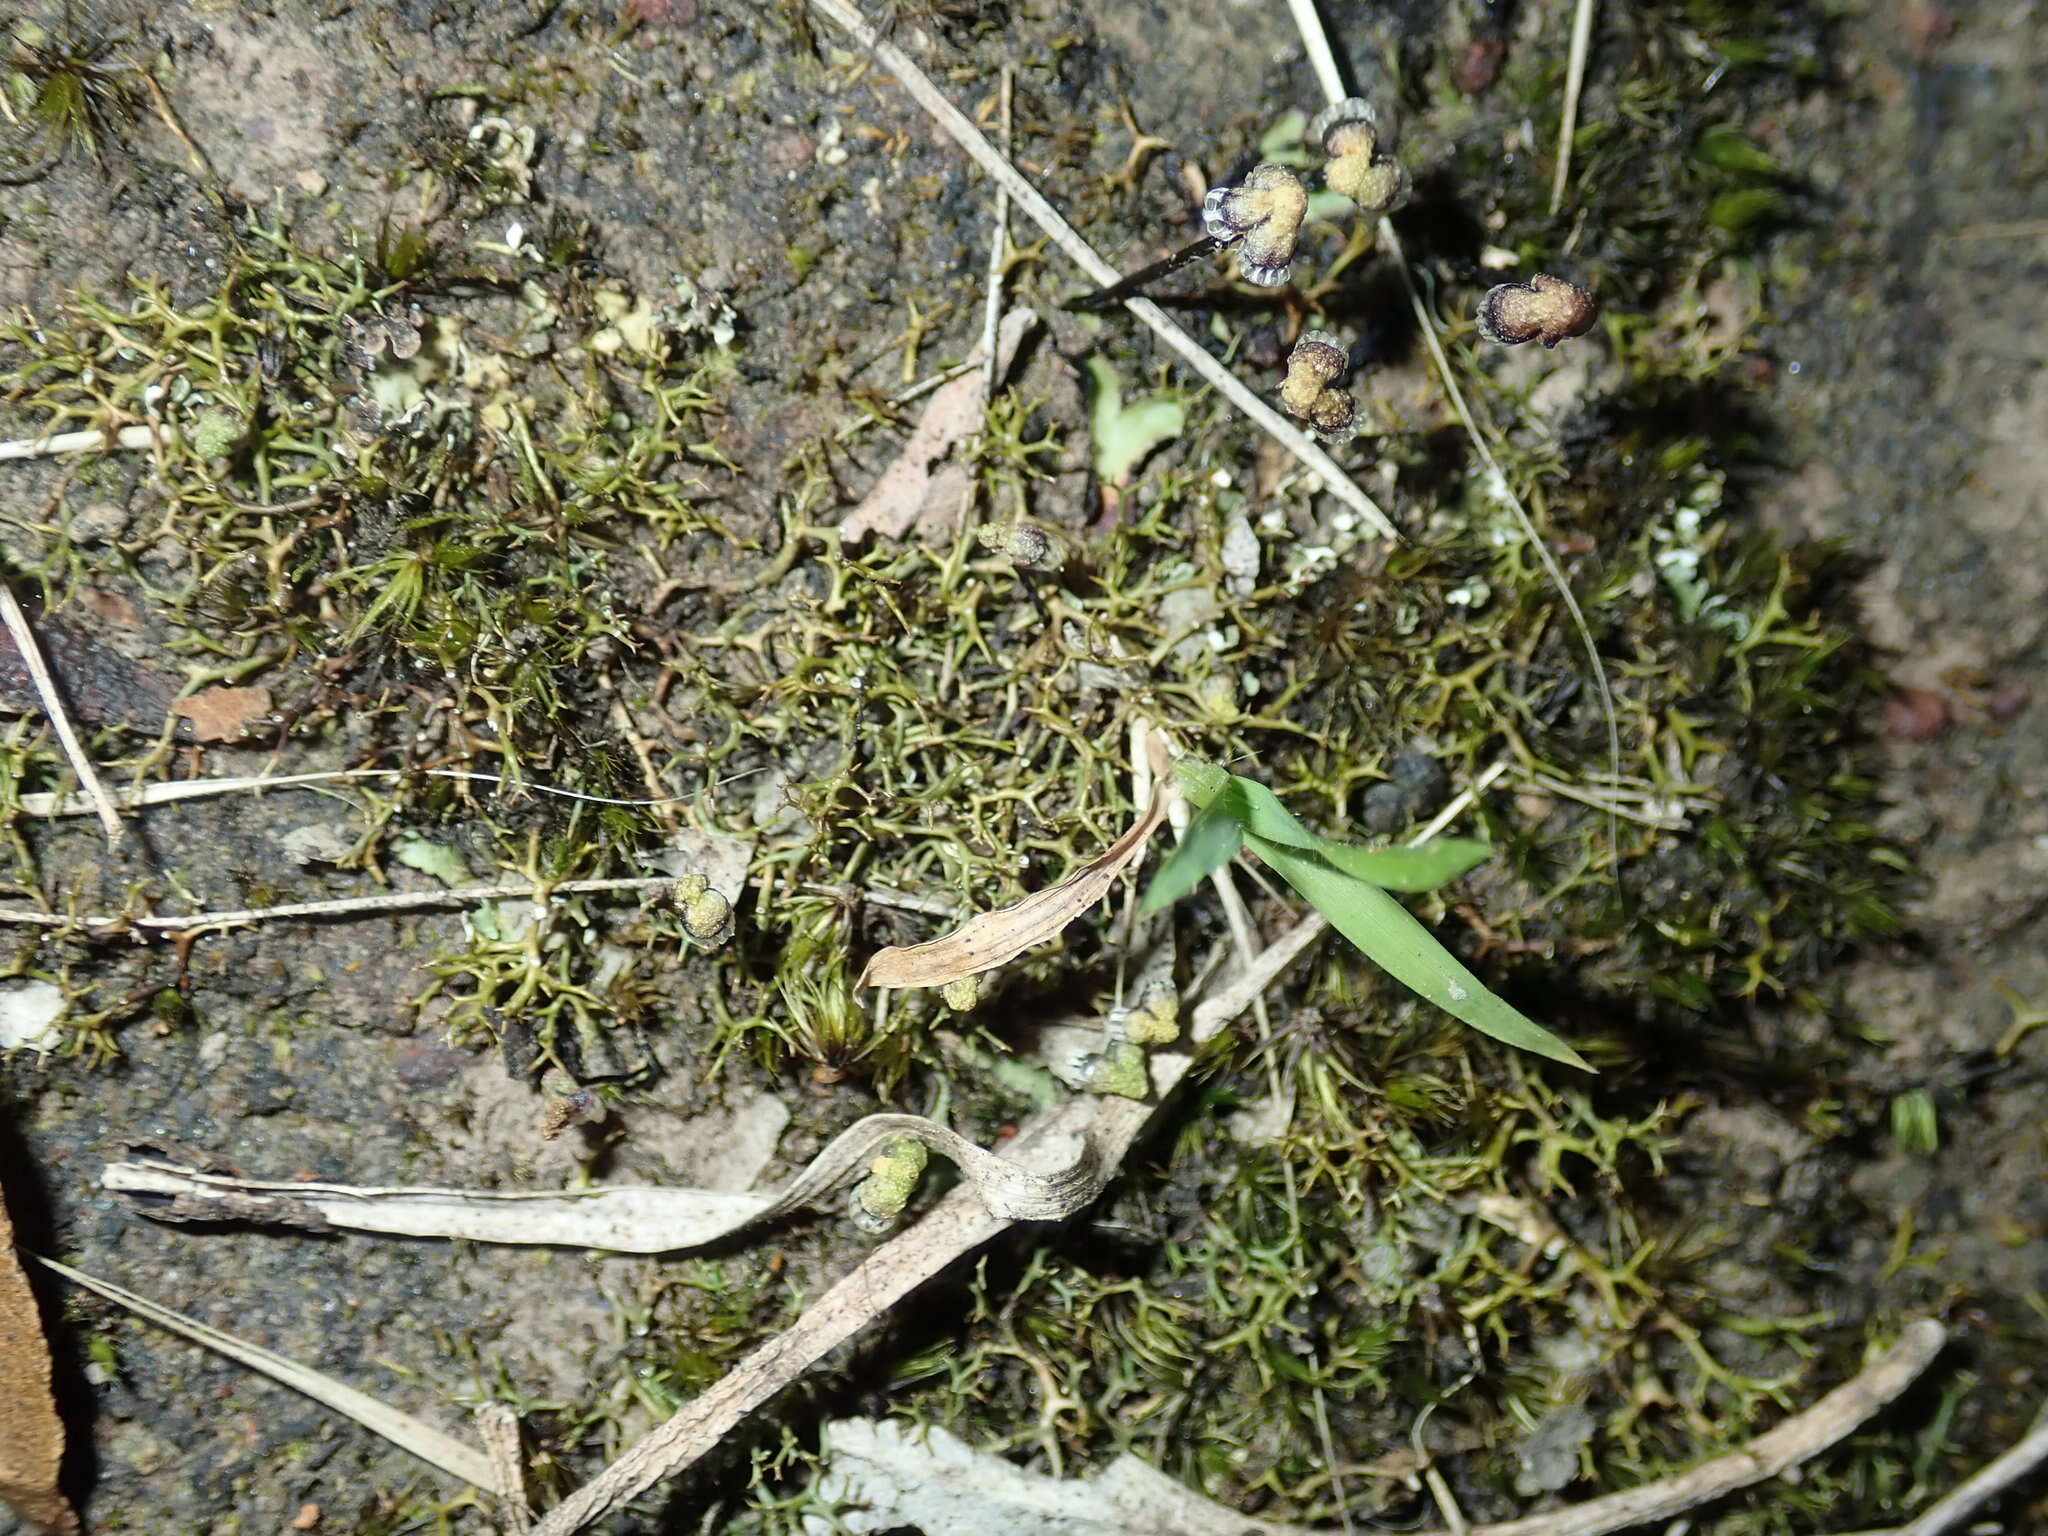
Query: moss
x=497, y=530
x=65, y=87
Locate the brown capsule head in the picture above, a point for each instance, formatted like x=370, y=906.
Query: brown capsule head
x=1333, y=413
x=1377, y=186
x=1313, y=388
x=1317, y=361
x=1355, y=126
x=1025, y=547
x=707, y=915
x=1546, y=309
x=1262, y=217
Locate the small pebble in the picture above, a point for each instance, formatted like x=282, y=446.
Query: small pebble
x=1385, y=809
x=1915, y=714
x=98, y=523
x=1422, y=777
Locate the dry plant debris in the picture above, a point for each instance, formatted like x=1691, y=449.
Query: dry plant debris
x=31, y=1434
x=995, y=938
x=225, y=714
x=52, y=699
x=918, y=489
x=946, y=1488
x=617, y=1218
x=414, y=1435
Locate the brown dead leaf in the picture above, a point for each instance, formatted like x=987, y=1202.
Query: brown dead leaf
x=910, y=488
x=996, y=938
x=31, y=1434
x=224, y=714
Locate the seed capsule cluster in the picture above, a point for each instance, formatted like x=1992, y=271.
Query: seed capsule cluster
x=1357, y=137
x=1546, y=309
x=1314, y=387
x=1261, y=217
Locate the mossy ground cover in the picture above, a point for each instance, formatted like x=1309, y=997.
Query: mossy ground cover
x=484, y=482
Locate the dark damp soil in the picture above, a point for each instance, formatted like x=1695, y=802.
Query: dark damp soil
x=1821, y=236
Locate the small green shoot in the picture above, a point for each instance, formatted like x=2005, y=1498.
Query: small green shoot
x=1916, y=1123
x=1124, y=434
x=1348, y=885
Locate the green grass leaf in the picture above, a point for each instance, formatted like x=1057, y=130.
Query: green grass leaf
x=1392, y=939
x=1423, y=867
x=1212, y=837
x=1332, y=878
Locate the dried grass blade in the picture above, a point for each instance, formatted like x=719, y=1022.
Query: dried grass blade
x=53, y=705
x=995, y=938
x=409, y=1434
x=621, y=1218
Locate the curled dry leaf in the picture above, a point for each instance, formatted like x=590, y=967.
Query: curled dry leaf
x=224, y=714
x=996, y=938
x=31, y=1434
x=915, y=487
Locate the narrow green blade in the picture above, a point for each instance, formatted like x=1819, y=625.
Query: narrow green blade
x=1213, y=836
x=1421, y=868
x=1392, y=939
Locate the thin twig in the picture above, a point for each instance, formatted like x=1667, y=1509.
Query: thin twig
x=163, y=110
x=1798, y=1439
x=1574, y=82
x=53, y=706
x=1458, y=803
x=1317, y=43
x=66, y=804
x=348, y=906
x=1046, y=217
x=998, y=253
x=497, y=1425
x=1143, y=278
x=1665, y=812
x=87, y=441
x=1949, y=1511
